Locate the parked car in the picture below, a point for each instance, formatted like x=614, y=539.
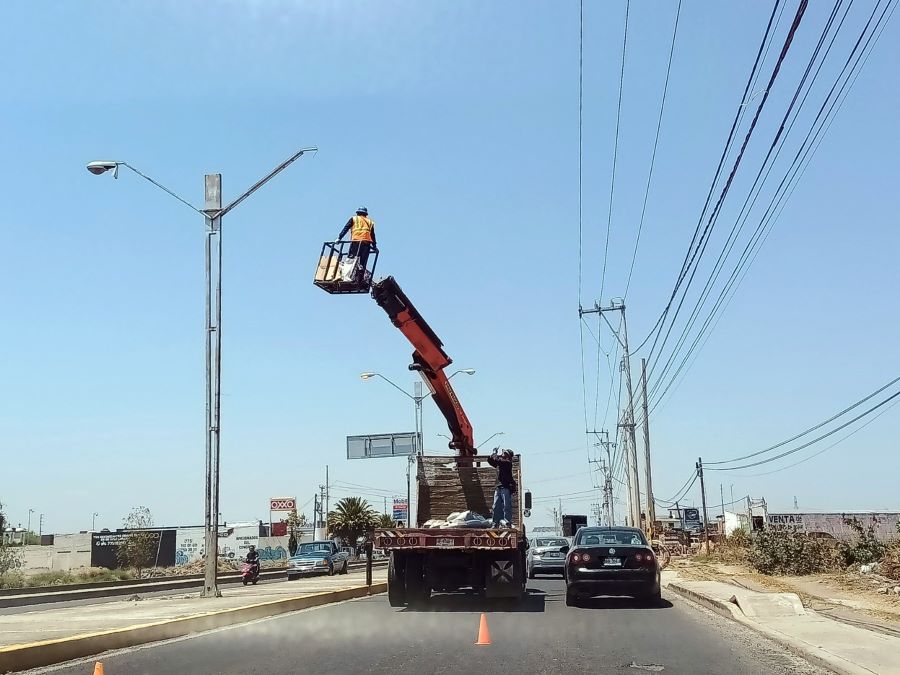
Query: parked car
x=317, y=557
x=545, y=555
x=611, y=561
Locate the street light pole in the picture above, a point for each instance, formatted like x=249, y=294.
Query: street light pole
x=94, y=521
x=30, y=511
x=212, y=213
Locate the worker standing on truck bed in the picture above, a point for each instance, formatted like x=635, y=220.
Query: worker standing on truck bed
x=362, y=236
x=506, y=487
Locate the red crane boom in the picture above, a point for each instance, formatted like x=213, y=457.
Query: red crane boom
x=429, y=358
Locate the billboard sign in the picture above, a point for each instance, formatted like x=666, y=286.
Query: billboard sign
x=371, y=446
x=401, y=508
x=692, y=519
x=282, y=503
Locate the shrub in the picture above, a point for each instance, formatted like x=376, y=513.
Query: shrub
x=865, y=547
x=890, y=563
x=787, y=552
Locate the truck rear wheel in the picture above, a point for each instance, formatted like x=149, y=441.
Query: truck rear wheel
x=417, y=591
x=396, y=582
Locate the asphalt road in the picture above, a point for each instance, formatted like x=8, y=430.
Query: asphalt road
x=540, y=636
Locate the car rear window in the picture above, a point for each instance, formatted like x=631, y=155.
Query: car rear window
x=610, y=537
x=550, y=542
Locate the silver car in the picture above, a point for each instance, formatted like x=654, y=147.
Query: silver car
x=545, y=556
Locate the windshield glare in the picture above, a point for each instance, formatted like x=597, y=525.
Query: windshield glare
x=550, y=542
x=610, y=537
x=312, y=553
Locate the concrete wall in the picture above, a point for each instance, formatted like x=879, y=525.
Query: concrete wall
x=69, y=551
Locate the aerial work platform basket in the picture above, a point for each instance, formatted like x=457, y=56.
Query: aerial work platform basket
x=346, y=267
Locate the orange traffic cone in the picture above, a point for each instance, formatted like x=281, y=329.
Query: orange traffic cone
x=484, y=635
x=98, y=668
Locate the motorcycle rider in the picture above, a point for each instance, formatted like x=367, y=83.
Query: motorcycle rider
x=253, y=559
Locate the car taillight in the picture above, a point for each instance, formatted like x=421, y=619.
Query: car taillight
x=585, y=557
x=638, y=557
x=575, y=558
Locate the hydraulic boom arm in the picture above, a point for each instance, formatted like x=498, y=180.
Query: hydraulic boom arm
x=429, y=358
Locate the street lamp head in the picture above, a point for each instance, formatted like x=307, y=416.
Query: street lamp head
x=367, y=376
x=468, y=371
x=99, y=167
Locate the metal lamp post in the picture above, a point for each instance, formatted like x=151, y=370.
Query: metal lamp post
x=212, y=213
x=94, y=521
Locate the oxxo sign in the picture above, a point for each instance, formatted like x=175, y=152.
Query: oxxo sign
x=282, y=503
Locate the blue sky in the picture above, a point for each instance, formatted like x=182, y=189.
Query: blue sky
x=456, y=123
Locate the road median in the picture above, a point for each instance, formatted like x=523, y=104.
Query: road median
x=183, y=619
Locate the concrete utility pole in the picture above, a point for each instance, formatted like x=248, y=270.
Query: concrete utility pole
x=212, y=213
x=703, y=496
x=634, y=491
x=651, y=506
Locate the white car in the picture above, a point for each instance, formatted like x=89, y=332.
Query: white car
x=545, y=556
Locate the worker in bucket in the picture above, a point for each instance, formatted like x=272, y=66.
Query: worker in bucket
x=362, y=237
x=505, y=489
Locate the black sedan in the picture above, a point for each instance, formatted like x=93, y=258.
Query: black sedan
x=611, y=561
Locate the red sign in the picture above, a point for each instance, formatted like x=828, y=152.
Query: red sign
x=282, y=503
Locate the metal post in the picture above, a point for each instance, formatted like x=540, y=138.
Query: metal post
x=368, y=549
x=703, y=496
x=651, y=507
x=41, y=525
x=408, y=487
x=30, y=511
x=213, y=197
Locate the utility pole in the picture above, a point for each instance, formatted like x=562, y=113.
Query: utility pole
x=651, y=506
x=634, y=491
x=327, y=496
x=41, y=525
x=703, y=496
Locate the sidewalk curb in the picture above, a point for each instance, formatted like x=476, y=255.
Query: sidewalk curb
x=48, y=652
x=811, y=653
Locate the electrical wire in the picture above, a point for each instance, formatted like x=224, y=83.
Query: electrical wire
x=775, y=147
x=809, y=443
x=703, y=241
x=819, y=452
x=787, y=186
x=612, y=185
x=654, y=332
x=810, y=429
x=662, y=107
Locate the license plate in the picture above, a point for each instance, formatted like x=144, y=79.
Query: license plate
x=612, y=562
x=554, y=555
x=446, y=542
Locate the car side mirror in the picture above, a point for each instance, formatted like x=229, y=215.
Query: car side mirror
x=528, y=499
x=564, y=549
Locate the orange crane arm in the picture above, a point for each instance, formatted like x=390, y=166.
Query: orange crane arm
x=429, y=358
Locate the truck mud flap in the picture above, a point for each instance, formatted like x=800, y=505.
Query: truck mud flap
x=504, y=579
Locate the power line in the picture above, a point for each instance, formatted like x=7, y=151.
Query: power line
x=826, y=448
x=703, y=241
x=754, y=193
x=815, y=440
x=810, y=430
x=738, y=114
x=788, y=184
x=612, y=184
x=662, y=107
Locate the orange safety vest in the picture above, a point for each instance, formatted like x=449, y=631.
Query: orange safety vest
x=362, y=229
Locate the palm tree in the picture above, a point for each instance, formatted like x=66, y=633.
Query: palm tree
x=352, y=517
x=385, y=520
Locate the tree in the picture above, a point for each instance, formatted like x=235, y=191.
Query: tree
x=139, y=545
x=351, y=518
x=10, y=559
x=294, y=522
x=385, y=520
